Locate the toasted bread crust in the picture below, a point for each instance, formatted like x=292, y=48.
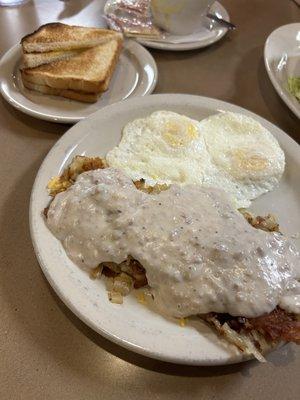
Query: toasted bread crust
x=69, y=94
x=58, y=36
x=90, y=71
x=32, y=60
x=113, y=65
x=30, y=36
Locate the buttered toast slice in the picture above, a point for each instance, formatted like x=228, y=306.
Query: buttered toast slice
x=90, y=71
x=57, y=36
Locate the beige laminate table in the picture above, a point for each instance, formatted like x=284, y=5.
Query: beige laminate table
x=45, y=351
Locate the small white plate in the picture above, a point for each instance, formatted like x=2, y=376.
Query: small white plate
x=203, y=38
x=132, y=325
x=282, y=60
x=135, y=75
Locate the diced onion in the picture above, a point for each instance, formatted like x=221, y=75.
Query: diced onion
x=95, y=273
x=115, y=297
x=123, y=284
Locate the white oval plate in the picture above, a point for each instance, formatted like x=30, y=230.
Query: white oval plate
x=282, y=59
x=202, y=38
x=135, y=75
x=132, y=325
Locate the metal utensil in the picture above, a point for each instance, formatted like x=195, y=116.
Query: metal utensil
x=221, y=21
x=163, y=39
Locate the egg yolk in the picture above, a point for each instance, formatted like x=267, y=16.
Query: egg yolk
x=248, y=162
x=179, y=134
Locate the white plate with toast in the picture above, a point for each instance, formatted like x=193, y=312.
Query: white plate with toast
x=135, y=75
x=131, y=324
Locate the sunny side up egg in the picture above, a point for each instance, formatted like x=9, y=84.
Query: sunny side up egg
x=227, y=150
x=163, y=148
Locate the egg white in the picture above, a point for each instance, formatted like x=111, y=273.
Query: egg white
x=247, y=156
x=163, y=148
x=227, y=150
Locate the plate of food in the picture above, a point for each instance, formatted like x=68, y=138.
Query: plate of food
x=168, y=224
x=63, y=73
x=282, y=61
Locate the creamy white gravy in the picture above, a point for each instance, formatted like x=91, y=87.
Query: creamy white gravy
x=199, y=253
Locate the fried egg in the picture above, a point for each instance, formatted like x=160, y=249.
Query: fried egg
x=248, y=157
x=163, y=148
x=228, y=150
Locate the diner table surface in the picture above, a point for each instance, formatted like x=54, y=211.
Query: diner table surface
x=46, y=352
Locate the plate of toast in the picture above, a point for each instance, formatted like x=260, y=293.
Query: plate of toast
x=64, y=73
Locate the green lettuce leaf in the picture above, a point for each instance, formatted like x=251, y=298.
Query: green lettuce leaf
x=294, y=86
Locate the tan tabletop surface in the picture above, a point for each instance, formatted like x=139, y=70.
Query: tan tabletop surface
x=45, y=351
